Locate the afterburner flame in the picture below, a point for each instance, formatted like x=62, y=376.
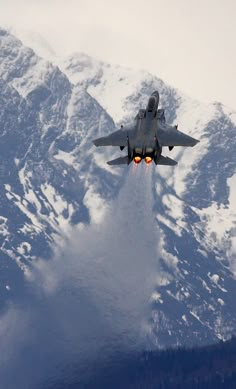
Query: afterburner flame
x=137, y=159
x=148, y=160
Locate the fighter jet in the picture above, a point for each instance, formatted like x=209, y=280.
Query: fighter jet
x=146, y=137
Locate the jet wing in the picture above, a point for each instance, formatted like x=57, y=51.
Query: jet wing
x=166, y=161
x=119, y=161
x=172, y=137
x=117, y=138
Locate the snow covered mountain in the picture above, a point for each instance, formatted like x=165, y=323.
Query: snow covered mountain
x=54, y=180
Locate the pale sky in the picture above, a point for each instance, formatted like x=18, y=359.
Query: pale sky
x=189, y=43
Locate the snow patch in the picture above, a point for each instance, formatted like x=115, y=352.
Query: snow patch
x=220, y=301
x=7, y=187
x=96, y=205
x=113, y=79
x=215, y=278
x=156, y=297
x=170, y=259
x=192, y=118
x=194, y=314
x=204, y=284
x=22, y=205
x=34, y=77
x=230, y=113
x=68, y=158
x=168, y=223
x=60, y=207
x=81, y=68
x=3, y=226
x=219, y=223
x=24, y=248
x=175, y=209
x=29, y=193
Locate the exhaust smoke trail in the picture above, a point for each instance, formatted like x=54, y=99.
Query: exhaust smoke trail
x=90, y=304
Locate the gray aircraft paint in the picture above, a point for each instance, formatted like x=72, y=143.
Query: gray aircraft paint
x=146, y=136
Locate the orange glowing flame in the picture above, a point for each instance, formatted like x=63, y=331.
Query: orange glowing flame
x=137, y=159
x=148, y=160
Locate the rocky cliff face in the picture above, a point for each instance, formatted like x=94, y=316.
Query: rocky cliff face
x=53, y=180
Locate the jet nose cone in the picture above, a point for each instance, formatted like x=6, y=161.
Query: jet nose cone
x=155, y=94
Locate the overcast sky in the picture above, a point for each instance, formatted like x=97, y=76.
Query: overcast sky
x=188, y=43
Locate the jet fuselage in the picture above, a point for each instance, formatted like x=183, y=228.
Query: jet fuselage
x=144, y=142
x=146, y=136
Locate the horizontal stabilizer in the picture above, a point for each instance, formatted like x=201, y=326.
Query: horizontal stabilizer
x=119, y=161
x=166, y=161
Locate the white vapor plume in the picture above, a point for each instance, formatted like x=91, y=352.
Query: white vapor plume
x=92, y=300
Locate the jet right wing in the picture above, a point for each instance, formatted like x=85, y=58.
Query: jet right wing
x=172, y=137
x=117, y=138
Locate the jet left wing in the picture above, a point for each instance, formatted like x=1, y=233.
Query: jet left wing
x=172, y=137
x=117, y=138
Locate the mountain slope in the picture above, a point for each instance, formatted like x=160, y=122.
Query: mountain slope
x=194, y=204
x=53, y=179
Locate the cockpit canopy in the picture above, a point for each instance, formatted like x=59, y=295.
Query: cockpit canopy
x=151, y=104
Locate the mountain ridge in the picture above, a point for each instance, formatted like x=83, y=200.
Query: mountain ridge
x=49, y=155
